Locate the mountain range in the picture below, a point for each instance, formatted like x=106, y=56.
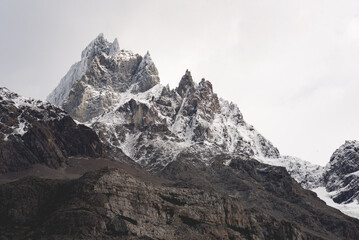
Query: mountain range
x=179, y=163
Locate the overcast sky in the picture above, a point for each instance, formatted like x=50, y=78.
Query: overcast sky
x=292, y=67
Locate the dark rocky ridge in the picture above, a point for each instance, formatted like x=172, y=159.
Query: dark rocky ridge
x=36, y=132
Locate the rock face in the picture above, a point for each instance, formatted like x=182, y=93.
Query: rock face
x=113, y=204
x=36, y=132
x=342, y=175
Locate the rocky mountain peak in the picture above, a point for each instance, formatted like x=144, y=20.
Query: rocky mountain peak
x=342, y=175
x=94, y=85
x=346, y=158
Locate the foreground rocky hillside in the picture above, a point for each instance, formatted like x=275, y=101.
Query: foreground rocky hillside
x=129, y=203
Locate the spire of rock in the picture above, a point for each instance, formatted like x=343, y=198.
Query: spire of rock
x=185, y=84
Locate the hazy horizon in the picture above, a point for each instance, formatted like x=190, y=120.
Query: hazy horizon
x=290, y=66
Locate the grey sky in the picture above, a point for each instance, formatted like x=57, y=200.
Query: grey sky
x=292, y=67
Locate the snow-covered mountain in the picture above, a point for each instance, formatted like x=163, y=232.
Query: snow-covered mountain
x=119, y=95
x=95, y=83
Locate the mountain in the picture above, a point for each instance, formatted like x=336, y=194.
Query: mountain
x=119, y=95
x=180, y=163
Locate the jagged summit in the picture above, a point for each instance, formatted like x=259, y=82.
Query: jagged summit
x=185, y=84
x=104, y=64
x=92, y=85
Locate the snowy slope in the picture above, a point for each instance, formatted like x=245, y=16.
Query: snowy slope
x=158, y=126
x=350, y=209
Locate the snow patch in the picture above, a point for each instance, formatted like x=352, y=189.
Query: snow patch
x=307, y=174
x=350, y=209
